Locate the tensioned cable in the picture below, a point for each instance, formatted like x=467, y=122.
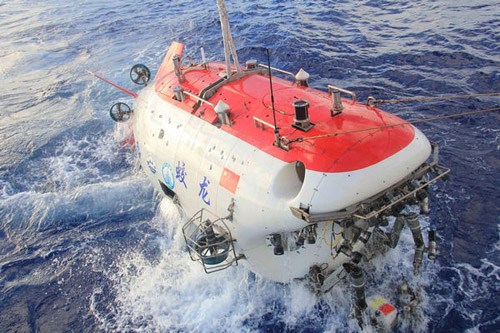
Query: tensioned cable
x=417, y=99
x=398, y=124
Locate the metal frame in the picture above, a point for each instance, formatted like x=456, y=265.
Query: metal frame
x=210, y=90
x=192, y=228
x=354, y=211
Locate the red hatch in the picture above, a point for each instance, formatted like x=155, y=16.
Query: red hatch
x=250, y=110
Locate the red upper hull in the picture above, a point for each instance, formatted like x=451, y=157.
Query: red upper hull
x=250, y=97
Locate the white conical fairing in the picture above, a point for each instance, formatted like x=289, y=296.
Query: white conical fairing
x=229, y=49
x=302, y=75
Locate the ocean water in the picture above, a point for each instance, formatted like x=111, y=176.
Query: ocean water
x=86, y=245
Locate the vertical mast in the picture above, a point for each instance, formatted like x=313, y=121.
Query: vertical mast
x=229, y=49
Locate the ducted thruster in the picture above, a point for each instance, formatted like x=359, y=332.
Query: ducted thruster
x=120, y=112
x=140, y=74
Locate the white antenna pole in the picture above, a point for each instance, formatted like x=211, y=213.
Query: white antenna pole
x=229, y=49
x=203, y=58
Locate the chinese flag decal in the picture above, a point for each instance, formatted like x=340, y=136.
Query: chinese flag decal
x=229, y=180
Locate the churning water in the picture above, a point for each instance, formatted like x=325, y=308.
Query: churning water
x=85, y=243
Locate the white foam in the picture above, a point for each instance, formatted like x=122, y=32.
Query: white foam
x=173, y=293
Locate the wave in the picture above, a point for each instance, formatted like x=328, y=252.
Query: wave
x=30, y=212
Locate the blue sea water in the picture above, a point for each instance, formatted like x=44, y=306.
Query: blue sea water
x=85, y=243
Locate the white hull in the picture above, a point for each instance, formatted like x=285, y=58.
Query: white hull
x=189, y=155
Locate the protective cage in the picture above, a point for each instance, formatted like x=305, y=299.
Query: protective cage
x=209, y=241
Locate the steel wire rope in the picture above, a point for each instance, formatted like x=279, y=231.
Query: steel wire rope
x=432, y=98
x=455, y=115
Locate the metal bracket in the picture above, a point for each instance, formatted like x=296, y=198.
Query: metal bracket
x=333, y=279
x=345, y=91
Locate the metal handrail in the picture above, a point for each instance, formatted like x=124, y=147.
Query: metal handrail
x=257, y=122
x=278, y=70
x=345, y=91
x=199, y=99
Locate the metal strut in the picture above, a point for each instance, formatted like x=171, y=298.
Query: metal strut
x=414, y=225
x=229, y=49
x=358, y=284
x=412, y=222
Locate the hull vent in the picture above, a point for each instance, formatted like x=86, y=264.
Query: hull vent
x=301, y=120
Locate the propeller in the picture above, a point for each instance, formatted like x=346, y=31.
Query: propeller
x=213, y=248
x=120, y=112
x=140, y=74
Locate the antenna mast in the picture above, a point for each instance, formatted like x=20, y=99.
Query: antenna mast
x=229, y=49
x=276, y=129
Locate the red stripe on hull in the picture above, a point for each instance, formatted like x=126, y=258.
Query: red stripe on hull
x=249, y=97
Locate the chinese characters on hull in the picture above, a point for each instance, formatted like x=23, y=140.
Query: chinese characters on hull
x=180, y=173
x=203, y=194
